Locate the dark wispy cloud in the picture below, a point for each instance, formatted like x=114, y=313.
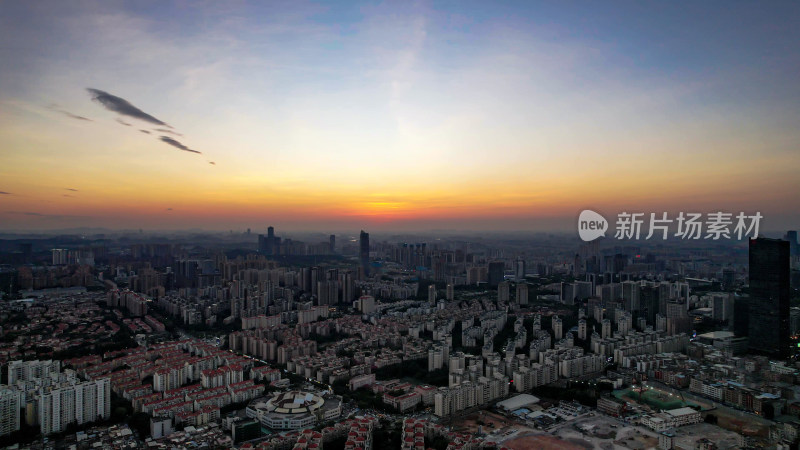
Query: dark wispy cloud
x=69, y=196
x=71, y=189
x=169, y=131
x=121, y=106
x=177, y=144
x=125, y=108
x=5, y=193
x=169, y=209
x=57, y=109
x=212, y=163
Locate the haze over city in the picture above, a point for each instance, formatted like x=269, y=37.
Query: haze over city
x=394, y=115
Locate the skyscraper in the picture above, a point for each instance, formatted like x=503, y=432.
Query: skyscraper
x=432, y=294
x=650, y=299
x=269, y=244
x=496, y=273
x=519, y=269
x=363, y=252
x=791, y=236
x=768, y=328
x=522, y=294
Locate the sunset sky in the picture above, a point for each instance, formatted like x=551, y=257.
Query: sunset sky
x=394, y=115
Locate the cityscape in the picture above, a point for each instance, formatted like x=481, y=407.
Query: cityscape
x=399, y=225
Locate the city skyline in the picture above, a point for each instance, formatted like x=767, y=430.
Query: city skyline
x=394, y=116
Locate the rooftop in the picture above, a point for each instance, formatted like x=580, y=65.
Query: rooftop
x=717, y=335
x=681, y=411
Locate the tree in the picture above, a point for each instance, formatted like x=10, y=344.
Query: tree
x=141, y=423
x=119, y=413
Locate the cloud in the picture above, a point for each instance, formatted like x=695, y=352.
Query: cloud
x=67, y=195
x=169, y=209
x=56, y=108
x=123, y=122
x=212, y=163
x=71, y=189
x=169, y=131
x=178, y=145
x=145, y=131
x=122, y=106
x=5, y=193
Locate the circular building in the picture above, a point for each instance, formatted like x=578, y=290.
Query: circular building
x=294, y=409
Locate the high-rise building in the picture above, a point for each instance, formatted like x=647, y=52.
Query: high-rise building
x=791, y=236
x=605, y=328
x=582, y=329
x=363, y=251
x=327, y=292
x=661, y=323
x=9, y=411
x=630, y=296
x=650, y=300
x=365, y=304
x=728, y=278
x=678, y=320
x=620, y=262
x=30, y=370
x=503, y=292
x=769, y=297
x=74, y=402
x=450, y=293
x=722, y=307
x=496, y=273
x=522, y=294
x=567, y=295
x=624, y=323
x=333, y=243
x=558, y=328
x=315, y=279
x=794, y=321
x=60, y=256
x=269, y=244
x=519, y=269
x=477, y=275
x=348, y=287
x=432, y=294
x=577, y=266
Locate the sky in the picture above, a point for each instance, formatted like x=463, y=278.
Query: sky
x=394, y=115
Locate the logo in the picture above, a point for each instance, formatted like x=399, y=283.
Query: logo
x=591, y=225
x=717, y=225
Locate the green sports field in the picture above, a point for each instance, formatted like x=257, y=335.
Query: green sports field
x=652, y=397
